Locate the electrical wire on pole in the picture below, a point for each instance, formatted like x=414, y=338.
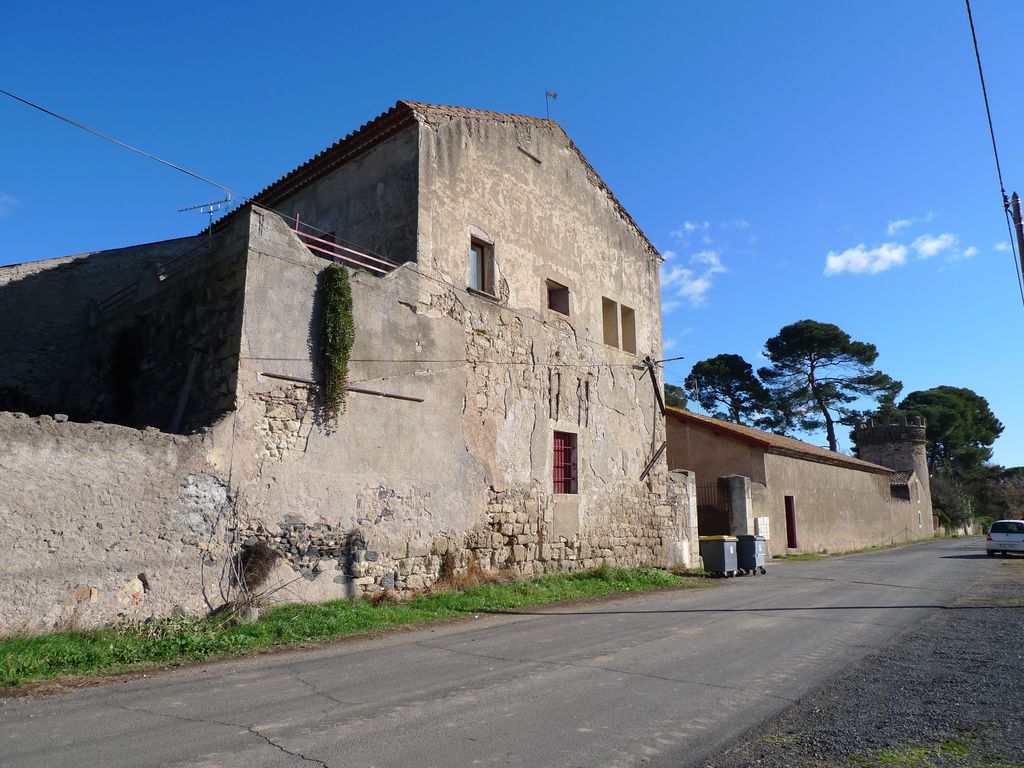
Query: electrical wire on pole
x=1004, y=200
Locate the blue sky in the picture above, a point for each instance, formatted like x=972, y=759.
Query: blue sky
x=791, y=159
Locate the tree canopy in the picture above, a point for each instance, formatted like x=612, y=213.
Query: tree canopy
x=726, y=387
x=675, y=396
x=961, y=427
x=817, y=372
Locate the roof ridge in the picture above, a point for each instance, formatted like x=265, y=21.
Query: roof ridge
x=468, y=111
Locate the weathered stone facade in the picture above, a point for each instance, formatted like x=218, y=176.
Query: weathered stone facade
x=442, y=456
x=104, y=522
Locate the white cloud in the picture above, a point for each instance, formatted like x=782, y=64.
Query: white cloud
x=897, y=225
x=687, y=228
x=670, y=306
x=860, y=260
x=928, y=246
x=669, y=344
x=690, y=283
x=711, y=259
x=1002, y=246
x=7, y=202
x=967, y=253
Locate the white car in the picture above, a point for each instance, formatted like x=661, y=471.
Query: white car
x=1005, y=536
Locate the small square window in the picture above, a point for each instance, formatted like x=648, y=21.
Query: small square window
x=481, y=267
x=610, y=313
x=628, y=329
x=558, y=297
x=564, y=464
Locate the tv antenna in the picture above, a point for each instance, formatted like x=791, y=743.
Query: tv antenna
x=210, y=208
x=549, y=96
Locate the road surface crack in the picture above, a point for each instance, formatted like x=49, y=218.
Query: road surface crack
x=320, y=692
x=210, y=721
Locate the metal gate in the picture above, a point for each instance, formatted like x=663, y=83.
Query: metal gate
x=712, y=510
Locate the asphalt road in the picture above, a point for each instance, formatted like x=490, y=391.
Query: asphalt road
x=663, y=679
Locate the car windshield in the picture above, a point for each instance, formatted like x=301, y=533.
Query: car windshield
x=1008, y=526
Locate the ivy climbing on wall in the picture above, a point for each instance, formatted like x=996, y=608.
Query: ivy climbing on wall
x=337, y=336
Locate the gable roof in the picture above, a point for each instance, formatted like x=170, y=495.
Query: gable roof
x=401, y=116
x=771, y=443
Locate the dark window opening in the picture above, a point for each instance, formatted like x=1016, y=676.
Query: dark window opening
x=481, y=267
x=610, y=318
x=558, y=297
x=564, y=465
x=628, y=330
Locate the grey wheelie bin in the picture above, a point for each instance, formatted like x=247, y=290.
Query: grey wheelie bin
x=718, y=554
x=750, y=553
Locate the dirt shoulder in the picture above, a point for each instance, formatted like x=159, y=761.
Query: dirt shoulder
x=947, y=693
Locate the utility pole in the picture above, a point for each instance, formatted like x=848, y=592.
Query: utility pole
x=1015, y=213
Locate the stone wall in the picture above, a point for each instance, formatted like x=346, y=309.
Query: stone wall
x=170, y=351
x=458, y=471
x=837, y=508
x=104, y=523
x=517, y=538
x=45, y=322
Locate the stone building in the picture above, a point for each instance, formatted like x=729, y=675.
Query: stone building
x=499, y=412
x=802, y=497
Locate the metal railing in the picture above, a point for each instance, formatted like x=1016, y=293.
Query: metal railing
x=345, y=254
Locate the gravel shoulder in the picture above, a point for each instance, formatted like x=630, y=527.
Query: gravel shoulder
x=946, y=693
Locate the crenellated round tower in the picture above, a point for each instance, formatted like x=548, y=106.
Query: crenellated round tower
x=897, y=444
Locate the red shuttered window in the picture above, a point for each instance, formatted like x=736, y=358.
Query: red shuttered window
x=564, y=466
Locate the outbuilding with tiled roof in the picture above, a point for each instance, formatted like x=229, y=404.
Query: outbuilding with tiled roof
x=804, y=497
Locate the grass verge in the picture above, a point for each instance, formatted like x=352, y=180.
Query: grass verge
x=954, y=752
x=178, y=640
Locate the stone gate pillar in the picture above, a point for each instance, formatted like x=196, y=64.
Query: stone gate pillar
x=740, y=504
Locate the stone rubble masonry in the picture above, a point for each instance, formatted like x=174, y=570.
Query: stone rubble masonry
x=91, y=512
x=452, y=471
x=121, y=524
x=514, y=540
x=288, y=421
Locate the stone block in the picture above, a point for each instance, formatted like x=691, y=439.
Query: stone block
x=439, y=546
x=418, y=548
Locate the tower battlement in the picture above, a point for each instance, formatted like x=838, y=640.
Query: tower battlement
x=895, y=443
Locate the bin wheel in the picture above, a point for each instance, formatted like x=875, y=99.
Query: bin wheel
x=763, y=570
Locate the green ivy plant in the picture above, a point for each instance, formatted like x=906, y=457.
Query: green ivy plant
x=337, y=336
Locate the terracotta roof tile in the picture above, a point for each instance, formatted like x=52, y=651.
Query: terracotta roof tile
x=777, y=444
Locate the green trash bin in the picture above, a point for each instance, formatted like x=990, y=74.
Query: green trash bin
x=751, y=552
x=718, y=554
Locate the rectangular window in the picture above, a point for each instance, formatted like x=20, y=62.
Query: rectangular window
x=481, y=267
x=610, y=311
x=558, y=297
x=628, y=330
x=564, y=465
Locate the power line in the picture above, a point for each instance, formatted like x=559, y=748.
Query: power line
x=247, y=199
x=120, y=143
x=995, y=153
